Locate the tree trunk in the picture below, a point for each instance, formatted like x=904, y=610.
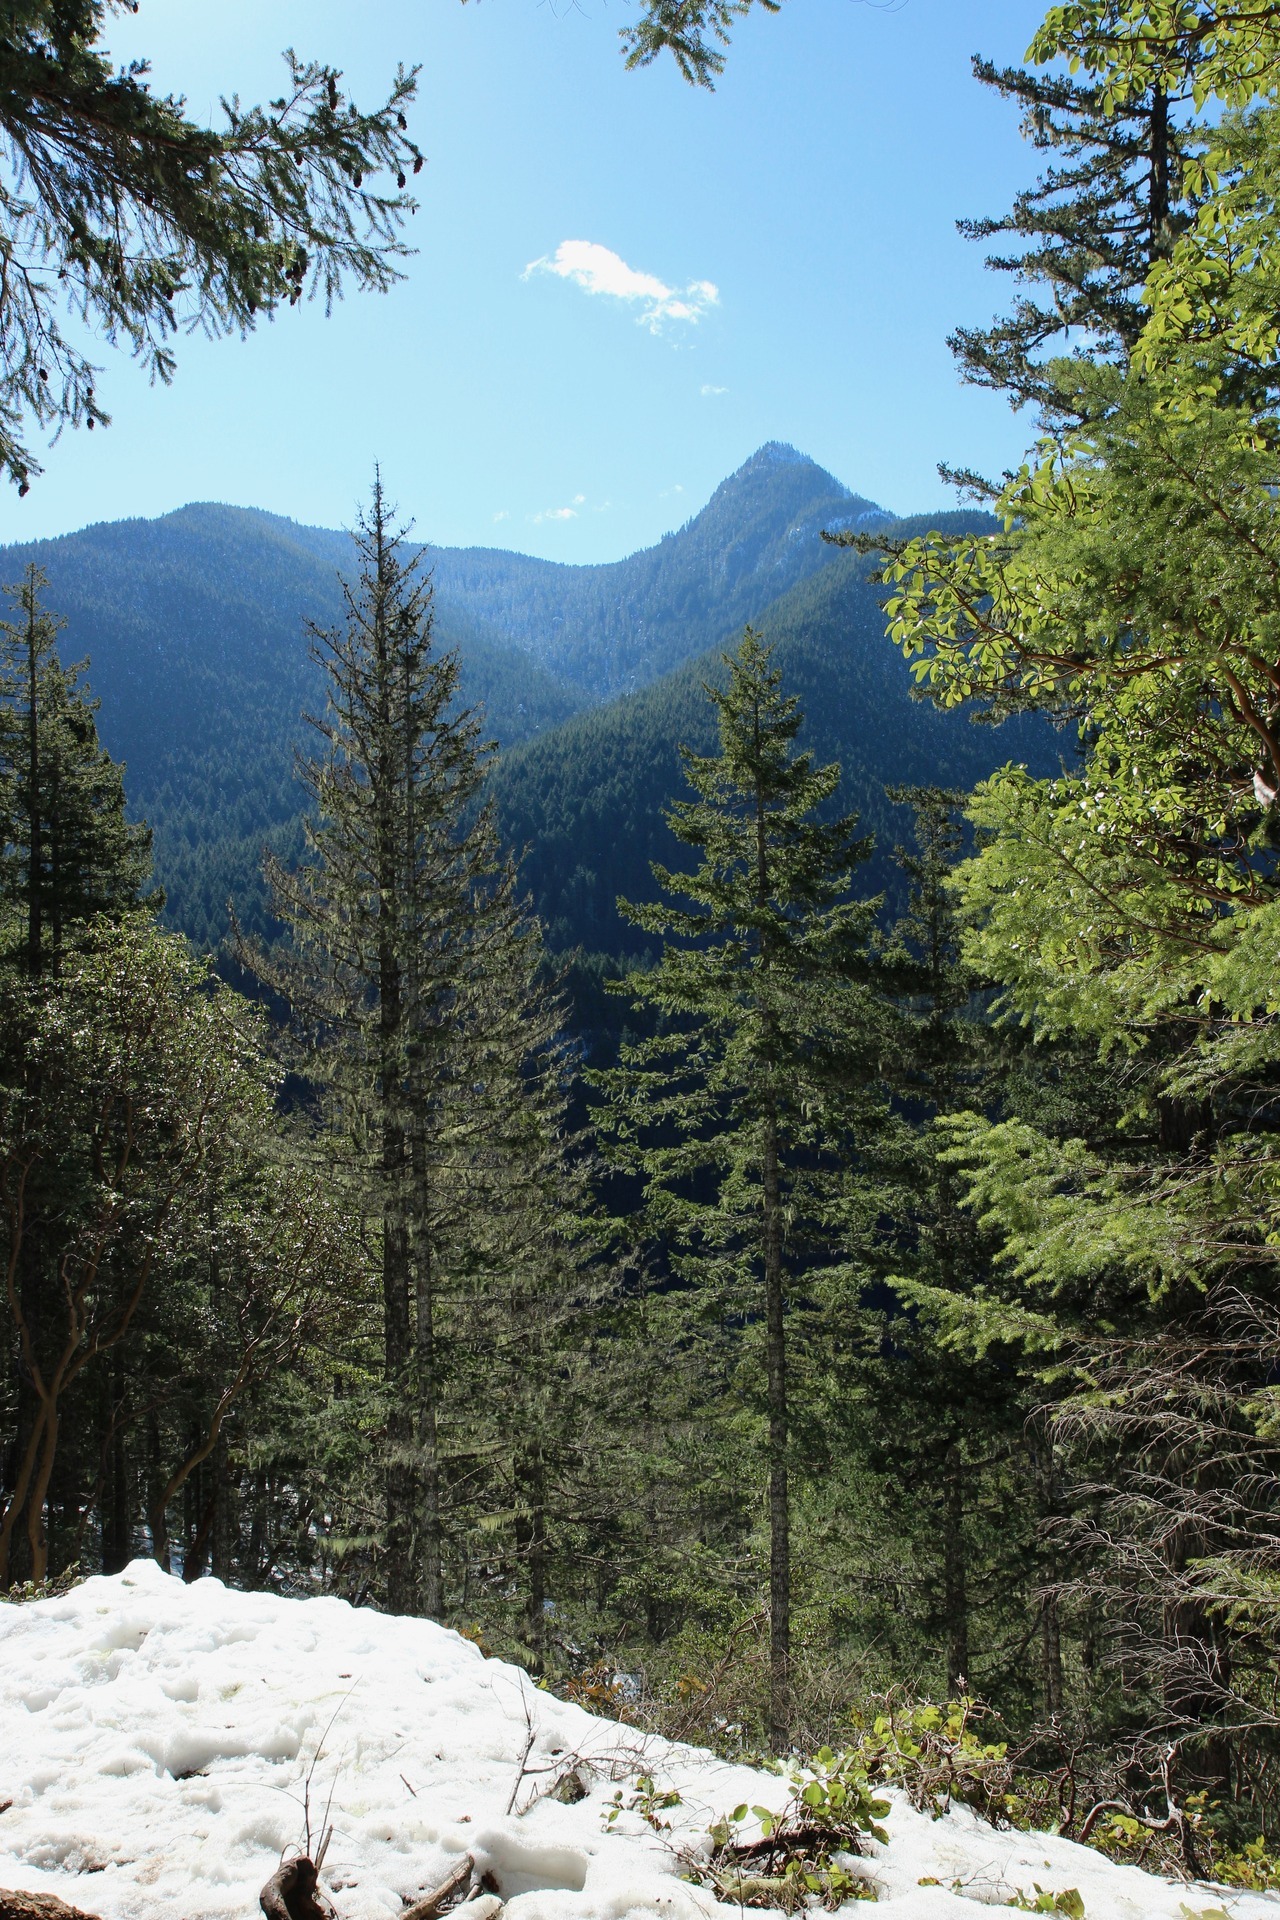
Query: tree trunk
x=17, y=1562
x=258, y=1549
x=430, y=1530
x=398, y=1479
x=37, y=1531
x=955, y=1593
x=1160, y=237
x=531, y=1544
x=1196, y=1671
x=221, y=1564
x=387, y=771
x=775, y=1342
x=117, y=1541
x=156, y=1482
x=779, y=1500
x=1050, y=1657
x=35, y=870
x=1045, y=1468
x=23, y=1558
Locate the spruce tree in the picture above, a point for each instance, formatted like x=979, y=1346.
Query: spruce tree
x=401, y=923
x=762, y=1071
x=70, y=851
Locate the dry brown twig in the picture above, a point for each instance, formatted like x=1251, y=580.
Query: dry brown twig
x=531, y=1734
x=435, y=1902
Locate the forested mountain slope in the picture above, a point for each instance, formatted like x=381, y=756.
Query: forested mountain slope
x=195, y=625
x=611, y=628
x=585, y=800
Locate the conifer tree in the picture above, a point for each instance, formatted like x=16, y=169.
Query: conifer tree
x=527, y=1366
x=140, y=221
x=71, y=863
x=765, y=1061
x=1085, y=236
x=937, y=1067
x=70, y=852
x=402, y=923
x=1130, y=904
x=960, y=1438
x=159, y=1256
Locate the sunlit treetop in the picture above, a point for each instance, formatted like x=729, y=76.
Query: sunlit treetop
x=1135, y=43
x=1234, y=46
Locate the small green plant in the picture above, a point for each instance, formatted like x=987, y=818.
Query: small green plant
x=1067, y=1902
x=938, y=1756
x=28, y=1590
x=1253, y=1867
x=794, y=1856
x=647, y=1800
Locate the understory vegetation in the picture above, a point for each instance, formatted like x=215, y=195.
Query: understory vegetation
x=871, y=1359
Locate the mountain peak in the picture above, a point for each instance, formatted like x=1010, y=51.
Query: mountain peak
x=794, y=484
x=780, y=453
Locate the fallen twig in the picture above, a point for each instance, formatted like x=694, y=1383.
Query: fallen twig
x=530, y=1736
x=433, y=1903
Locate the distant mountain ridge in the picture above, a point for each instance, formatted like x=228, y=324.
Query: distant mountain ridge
x=196, y=627
x=586, y=801
x=610, y=628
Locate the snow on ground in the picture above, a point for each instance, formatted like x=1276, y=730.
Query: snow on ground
x=160, y=1743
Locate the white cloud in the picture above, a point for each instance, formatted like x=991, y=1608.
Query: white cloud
x=560, y=513
x=598, y=269
x=707, y=391
x=504, y=515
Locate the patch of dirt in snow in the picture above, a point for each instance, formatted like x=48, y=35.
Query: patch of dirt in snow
x=162, y=1745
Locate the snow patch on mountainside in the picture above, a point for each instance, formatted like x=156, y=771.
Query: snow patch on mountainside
x=161, y=1747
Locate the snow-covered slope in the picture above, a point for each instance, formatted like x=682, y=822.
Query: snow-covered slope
x=160, y=1746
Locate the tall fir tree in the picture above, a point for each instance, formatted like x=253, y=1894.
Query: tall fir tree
x=70, y=851
x=523, y=1415
x=961, y=1442
x=736, y=1115
x=404, y=928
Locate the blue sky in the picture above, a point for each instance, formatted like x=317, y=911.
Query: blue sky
x=777, y=260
